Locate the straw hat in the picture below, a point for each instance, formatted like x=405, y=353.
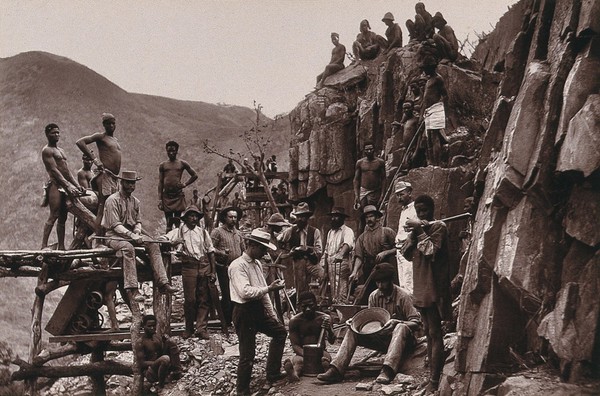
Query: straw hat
x=261, y=236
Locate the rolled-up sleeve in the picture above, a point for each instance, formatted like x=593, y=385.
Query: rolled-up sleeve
x=208, y=245
x=240, y=282
x=111, y=216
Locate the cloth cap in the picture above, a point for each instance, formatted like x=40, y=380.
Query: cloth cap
x=383, y=271
x=261, y=236
x=401, y=186
x=388, y=16
x=107, y=116
x=129, y=176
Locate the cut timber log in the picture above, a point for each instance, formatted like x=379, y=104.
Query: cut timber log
x=75, y=206
x=50, y=354
x=99, y=368
x=36, y=328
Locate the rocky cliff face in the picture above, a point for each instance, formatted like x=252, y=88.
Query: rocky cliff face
x=525, y=130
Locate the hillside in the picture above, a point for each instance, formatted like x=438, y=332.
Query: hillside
x=37, y=88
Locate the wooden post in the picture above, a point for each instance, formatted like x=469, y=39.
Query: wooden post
x=36, y=328
x=136, y=339
x=214, y=206
x=161, y=303
x=98, y=384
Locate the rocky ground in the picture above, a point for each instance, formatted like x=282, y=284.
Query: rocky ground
x=210, y=369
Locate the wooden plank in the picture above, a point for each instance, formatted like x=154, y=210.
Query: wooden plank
x=122, y=334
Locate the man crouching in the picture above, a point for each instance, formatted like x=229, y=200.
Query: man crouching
x=396, y=336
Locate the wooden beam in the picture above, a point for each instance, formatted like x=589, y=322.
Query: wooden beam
x=99, y=368
x=54, y=353
x=123, y=334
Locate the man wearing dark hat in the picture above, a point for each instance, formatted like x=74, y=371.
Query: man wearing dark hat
x=395, y=338
x=304, y=244
x=403, y=191
x=195, y=249
x=393, y=32
x=229, y=245
x=122, y=220
x=340, y=242
x=445, y=39
x=375, y=245
x=171, y=198
x=338, y=54
x=253, y=311
x=108, y=161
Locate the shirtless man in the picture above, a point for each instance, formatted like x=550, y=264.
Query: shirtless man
x=171, y=199
x=108, y=161
x=445, y=39
x=393, y=32
x=85, y=174
x=421, y=29
x=157, y=357
x=367, y=44
x=432, y=111
x=305, y=329
x=409, y=122
x=338, y=53
x=369, y=179
x=55, y=161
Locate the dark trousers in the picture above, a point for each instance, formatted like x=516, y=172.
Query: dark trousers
x=223, y=277
x=249, y=319
x=432, y=324
x=196, y=298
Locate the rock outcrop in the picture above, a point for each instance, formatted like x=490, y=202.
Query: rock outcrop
x=524, y=137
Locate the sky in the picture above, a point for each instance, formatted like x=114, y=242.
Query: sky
x=229, y=51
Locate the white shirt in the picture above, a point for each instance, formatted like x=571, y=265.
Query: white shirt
x=247, y=282
x=196, y=242
x=336, y=238
x=408, y=212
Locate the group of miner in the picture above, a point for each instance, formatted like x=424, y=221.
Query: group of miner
x=405, y=272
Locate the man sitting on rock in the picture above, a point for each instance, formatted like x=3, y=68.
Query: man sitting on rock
x=393, y=32
x=445, y=39
x=338, y=53
x=368, y=44
x=305, y=329
x=395, y=338
x=157, y=358
x=421, y=28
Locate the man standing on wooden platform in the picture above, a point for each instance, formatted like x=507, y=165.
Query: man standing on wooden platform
x=55, y=161
x=123, y=223
x=171, y=199
x=108, y=160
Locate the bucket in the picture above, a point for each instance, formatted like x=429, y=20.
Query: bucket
x=312, y=360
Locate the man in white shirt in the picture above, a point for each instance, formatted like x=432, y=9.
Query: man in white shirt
x=403, y=191
x=253, y=311
x=196, y=251
x=340, y=242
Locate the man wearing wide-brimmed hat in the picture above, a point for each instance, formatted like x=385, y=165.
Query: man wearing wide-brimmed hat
x=253, y=311
x=123, y=224
x=403, y=191
x=305, y=242
x=395, y=338
x=195, y=249
x=375, y=245
x=229, y=245
x=340, y=242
